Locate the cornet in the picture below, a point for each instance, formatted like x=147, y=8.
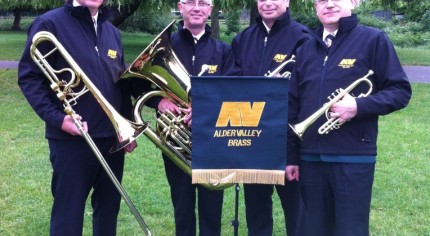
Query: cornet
x=331, y=123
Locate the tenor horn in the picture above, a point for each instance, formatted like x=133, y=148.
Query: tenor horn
x=159, y=65
x=127, y=131
x=331, y=123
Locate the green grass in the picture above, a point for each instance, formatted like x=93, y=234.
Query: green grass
x=401, y=193
x=12, y=44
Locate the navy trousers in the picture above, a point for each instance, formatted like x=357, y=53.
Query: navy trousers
x=259, y=209
x=183, y=195
x=75, y=172
x=336, y=198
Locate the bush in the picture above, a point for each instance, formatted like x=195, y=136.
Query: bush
x=425, y=21
x=232, y=21
x=309, y=20
x=145, y=23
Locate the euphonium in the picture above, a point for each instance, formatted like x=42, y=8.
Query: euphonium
x=126, y=131
x=159, y=65
x=331, y=123
x=277, y=70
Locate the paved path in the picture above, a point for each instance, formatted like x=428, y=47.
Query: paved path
x=416, y=74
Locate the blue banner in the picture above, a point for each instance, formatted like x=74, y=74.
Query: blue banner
x=239, y=129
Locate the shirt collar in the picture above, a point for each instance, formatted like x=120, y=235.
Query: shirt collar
x=325, y=33
x=76, y=4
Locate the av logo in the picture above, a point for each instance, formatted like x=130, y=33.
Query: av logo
x=212, y=69
x=347, y=63
x=279, y=57
x=240, y=114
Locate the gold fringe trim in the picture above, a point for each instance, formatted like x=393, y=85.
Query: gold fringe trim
x=247, y=176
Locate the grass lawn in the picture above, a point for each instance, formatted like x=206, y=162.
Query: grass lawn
x=12, y=44
x=400, y=203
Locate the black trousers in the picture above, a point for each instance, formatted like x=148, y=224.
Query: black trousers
x=336, y=198
x=76, y=171
x=259, y=208
x=183, y=195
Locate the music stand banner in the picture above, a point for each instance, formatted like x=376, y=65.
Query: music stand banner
x=239, y=129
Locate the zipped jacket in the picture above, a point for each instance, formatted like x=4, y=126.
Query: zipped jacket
x=214, y=53
x=320, y=71
x=99, y=55
x=258, y=51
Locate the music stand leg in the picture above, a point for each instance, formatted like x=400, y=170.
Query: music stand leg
x=235, y=221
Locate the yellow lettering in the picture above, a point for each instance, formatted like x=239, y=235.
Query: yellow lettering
x=240, y=114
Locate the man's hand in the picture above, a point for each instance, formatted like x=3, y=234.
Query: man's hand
x=345, y=109
x=166, y=104
x=130, y=147
x=292, y=173
x=69, y=126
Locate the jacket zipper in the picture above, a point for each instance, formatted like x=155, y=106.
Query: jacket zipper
x=263, y=54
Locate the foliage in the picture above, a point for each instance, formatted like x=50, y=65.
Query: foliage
x=425, y=20
x=232, y=22
x=310, y=21
x=148, y=22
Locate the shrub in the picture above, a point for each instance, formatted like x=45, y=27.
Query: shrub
x=232, y=21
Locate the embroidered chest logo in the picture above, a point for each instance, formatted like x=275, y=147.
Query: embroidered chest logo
x=112, y=54
x=347, y=63
x=279, y=57
x=212, y=69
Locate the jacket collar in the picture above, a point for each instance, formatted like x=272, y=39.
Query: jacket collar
x=185, y=33
x=345, y=24
x=83, y=13
x=282, y=21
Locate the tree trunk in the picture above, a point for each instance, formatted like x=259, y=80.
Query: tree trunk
x=215, y=23
x=253, y=15
x=17, y=13
x=121, y=14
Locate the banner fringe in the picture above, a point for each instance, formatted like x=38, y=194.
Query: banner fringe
x=247, y=176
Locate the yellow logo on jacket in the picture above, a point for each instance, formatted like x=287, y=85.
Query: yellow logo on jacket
x=112, y=54
x=212, y=69
x=279, y=57
x=347, y=63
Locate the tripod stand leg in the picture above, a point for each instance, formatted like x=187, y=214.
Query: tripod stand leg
x=235, y=221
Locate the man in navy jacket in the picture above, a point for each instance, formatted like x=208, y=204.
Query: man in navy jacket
x=82, y=27
x=258, y=49
x=194, y=47
x=336, y=169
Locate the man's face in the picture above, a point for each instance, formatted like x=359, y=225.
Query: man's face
x=330, y=11
x=91, y=4
x=271, y=10
x=195, y=12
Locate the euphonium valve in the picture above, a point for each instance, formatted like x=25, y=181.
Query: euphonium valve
x=331, y=123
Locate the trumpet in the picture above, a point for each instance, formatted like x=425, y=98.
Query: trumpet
x=286, y=74
x=127, y=131
x=331, y=123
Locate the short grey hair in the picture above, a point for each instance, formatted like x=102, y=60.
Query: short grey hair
x=208, y=1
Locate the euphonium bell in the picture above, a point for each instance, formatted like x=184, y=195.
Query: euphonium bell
x=159, y=65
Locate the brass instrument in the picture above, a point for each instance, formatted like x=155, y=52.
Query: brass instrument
x=331, y=123
x=286, y=74
x=159, y=65
x=126, y=131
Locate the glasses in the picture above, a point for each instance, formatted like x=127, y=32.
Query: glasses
x=194, y=4
x=324, y=2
